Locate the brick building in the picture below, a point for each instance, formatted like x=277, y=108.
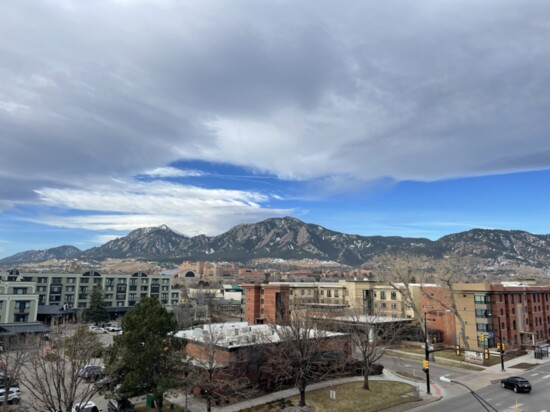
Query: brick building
x=520, y=312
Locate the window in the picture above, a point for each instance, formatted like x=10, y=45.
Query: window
x=42, y=280
x=394, y=306
x=482, y=299
x=394, y=296
x=302, y=292
x=84, y=280
x=329, y=293
x=336, y=294
x=20, y=291
x=383, y=295
x=71, y=280
x=481, y=313
x=383, y=305
x=482, y=327
x=309, y=292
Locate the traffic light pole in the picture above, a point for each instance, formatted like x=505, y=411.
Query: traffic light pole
x=501, y=345
x=427, y=353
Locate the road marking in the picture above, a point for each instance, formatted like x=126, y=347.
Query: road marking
x=534, y=374
x=546, y=377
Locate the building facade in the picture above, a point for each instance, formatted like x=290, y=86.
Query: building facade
x=121, y=290
x=518, y=313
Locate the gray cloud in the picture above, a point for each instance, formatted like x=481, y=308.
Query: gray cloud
x=364, y=90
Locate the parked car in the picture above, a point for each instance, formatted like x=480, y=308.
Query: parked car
x=120, y=405
x=516, y=383
x=96, y=329
x=14, y=395
x=112, y=328
x=91, y=372
x=85, y=407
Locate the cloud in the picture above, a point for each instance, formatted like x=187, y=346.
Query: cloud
x=172, y=172
x=126, y=205
x=316, y=91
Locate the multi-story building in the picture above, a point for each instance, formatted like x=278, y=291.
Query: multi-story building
x=121, y=290
x=18, y=307
x=516, y=311
x=265, y=301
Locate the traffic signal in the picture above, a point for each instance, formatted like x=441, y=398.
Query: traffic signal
x=425, y=364
x=503, y=346
x=498, y=346
x=486, y=351
x=457, y=350
x=482, y=337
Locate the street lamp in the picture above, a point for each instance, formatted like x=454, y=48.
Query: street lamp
x=501, y=350
x=486, y=405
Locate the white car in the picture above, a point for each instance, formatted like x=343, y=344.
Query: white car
x=14, y=395
x=112, y=328
x=85, y=407
x=96, y=329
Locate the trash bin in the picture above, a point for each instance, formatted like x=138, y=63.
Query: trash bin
x=149, y=400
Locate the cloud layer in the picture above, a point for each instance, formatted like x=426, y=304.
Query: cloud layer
x=347, y=91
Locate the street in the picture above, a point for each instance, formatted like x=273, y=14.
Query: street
x=501, y=399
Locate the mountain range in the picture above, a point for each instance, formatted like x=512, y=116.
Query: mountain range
x=290, y=239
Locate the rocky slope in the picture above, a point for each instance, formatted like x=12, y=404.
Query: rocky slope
x=290, y=238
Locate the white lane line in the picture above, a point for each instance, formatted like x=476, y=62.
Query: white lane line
x=546, y=377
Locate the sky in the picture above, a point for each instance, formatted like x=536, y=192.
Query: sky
x=414, y=118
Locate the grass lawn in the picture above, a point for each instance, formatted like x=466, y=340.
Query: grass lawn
x=350, y=397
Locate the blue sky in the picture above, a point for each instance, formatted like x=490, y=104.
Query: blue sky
x=411, y=118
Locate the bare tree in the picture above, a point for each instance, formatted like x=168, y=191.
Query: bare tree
x=217, y=375
x=448, y=272
x=300, y=353
x=371, y=335
x=13, y=356
x=400, y=271
x=54, y=374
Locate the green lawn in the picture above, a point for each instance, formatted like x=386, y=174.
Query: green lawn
x=350, y=397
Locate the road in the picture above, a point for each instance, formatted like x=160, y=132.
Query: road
x=414, y=368
x=501, y=399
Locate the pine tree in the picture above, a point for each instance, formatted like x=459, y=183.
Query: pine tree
x=96, y=311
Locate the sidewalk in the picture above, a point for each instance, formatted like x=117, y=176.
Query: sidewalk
x=195, y=404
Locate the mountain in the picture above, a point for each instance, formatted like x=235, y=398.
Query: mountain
x=289, y=238
x=148, y=243
x=60, y=252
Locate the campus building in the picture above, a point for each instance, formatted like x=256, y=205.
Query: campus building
x=264, y=302
x=18, y=308
x=518, y=312
x=122, y=291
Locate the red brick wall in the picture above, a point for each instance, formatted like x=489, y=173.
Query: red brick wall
x=436, y=315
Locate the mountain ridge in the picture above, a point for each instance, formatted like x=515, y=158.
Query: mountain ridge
x=289, y=238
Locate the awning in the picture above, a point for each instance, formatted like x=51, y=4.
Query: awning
x=15, y=329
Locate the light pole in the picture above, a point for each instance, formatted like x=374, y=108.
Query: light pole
x=501, y=350
x=427, y=353
x=486, y=405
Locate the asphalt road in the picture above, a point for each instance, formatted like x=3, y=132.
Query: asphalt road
x=501, y=399
x=414, y=368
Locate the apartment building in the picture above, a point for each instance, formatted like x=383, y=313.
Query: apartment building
x=18, y=308
x=518, y=312
x=264, y=302
x=121, y=290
